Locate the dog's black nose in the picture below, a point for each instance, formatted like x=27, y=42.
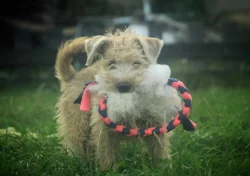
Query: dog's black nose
x=123, y=87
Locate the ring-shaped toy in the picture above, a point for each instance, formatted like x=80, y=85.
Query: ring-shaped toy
x=180, y=118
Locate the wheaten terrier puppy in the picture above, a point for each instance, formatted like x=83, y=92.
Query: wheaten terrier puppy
x=119, y=60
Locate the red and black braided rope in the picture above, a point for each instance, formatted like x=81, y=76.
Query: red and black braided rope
x=181, y=118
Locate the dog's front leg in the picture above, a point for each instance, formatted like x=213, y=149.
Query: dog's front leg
x=158, y=148
x=107, y=149
x=107, y=146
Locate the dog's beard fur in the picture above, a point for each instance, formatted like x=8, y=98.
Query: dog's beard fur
x=122, y=107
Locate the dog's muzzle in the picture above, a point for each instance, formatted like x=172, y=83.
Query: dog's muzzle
x=123, y=87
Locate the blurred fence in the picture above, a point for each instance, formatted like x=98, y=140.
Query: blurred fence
x=191, y=44
x=38, y=57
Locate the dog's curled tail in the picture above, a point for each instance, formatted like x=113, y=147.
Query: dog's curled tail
x=63, y=68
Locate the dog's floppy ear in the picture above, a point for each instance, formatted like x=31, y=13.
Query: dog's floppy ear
x=151, y=47
x=95, y=47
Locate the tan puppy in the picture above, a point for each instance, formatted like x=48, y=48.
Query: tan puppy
x=120, y=61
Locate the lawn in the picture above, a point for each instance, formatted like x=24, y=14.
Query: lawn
x=220, y=146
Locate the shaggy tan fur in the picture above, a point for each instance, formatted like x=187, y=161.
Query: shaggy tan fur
x=119, y=57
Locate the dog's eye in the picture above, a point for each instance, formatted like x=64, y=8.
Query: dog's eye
x=112, y=62
x=136, y=63
x=111, y=65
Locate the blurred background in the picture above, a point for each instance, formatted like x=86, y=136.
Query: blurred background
x=209, y=36
x=207, y=46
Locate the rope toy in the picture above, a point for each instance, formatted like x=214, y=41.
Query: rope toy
x=181, y=118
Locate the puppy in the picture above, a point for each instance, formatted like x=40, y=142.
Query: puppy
x=119, y=61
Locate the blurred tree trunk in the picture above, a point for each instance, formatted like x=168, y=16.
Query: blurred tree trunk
x=179, y=9
x=123, y=8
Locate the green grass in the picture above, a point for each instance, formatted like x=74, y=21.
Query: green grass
x=220, y=146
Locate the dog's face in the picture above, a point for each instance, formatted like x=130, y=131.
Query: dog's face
x=123, y=58
x=123, y=67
